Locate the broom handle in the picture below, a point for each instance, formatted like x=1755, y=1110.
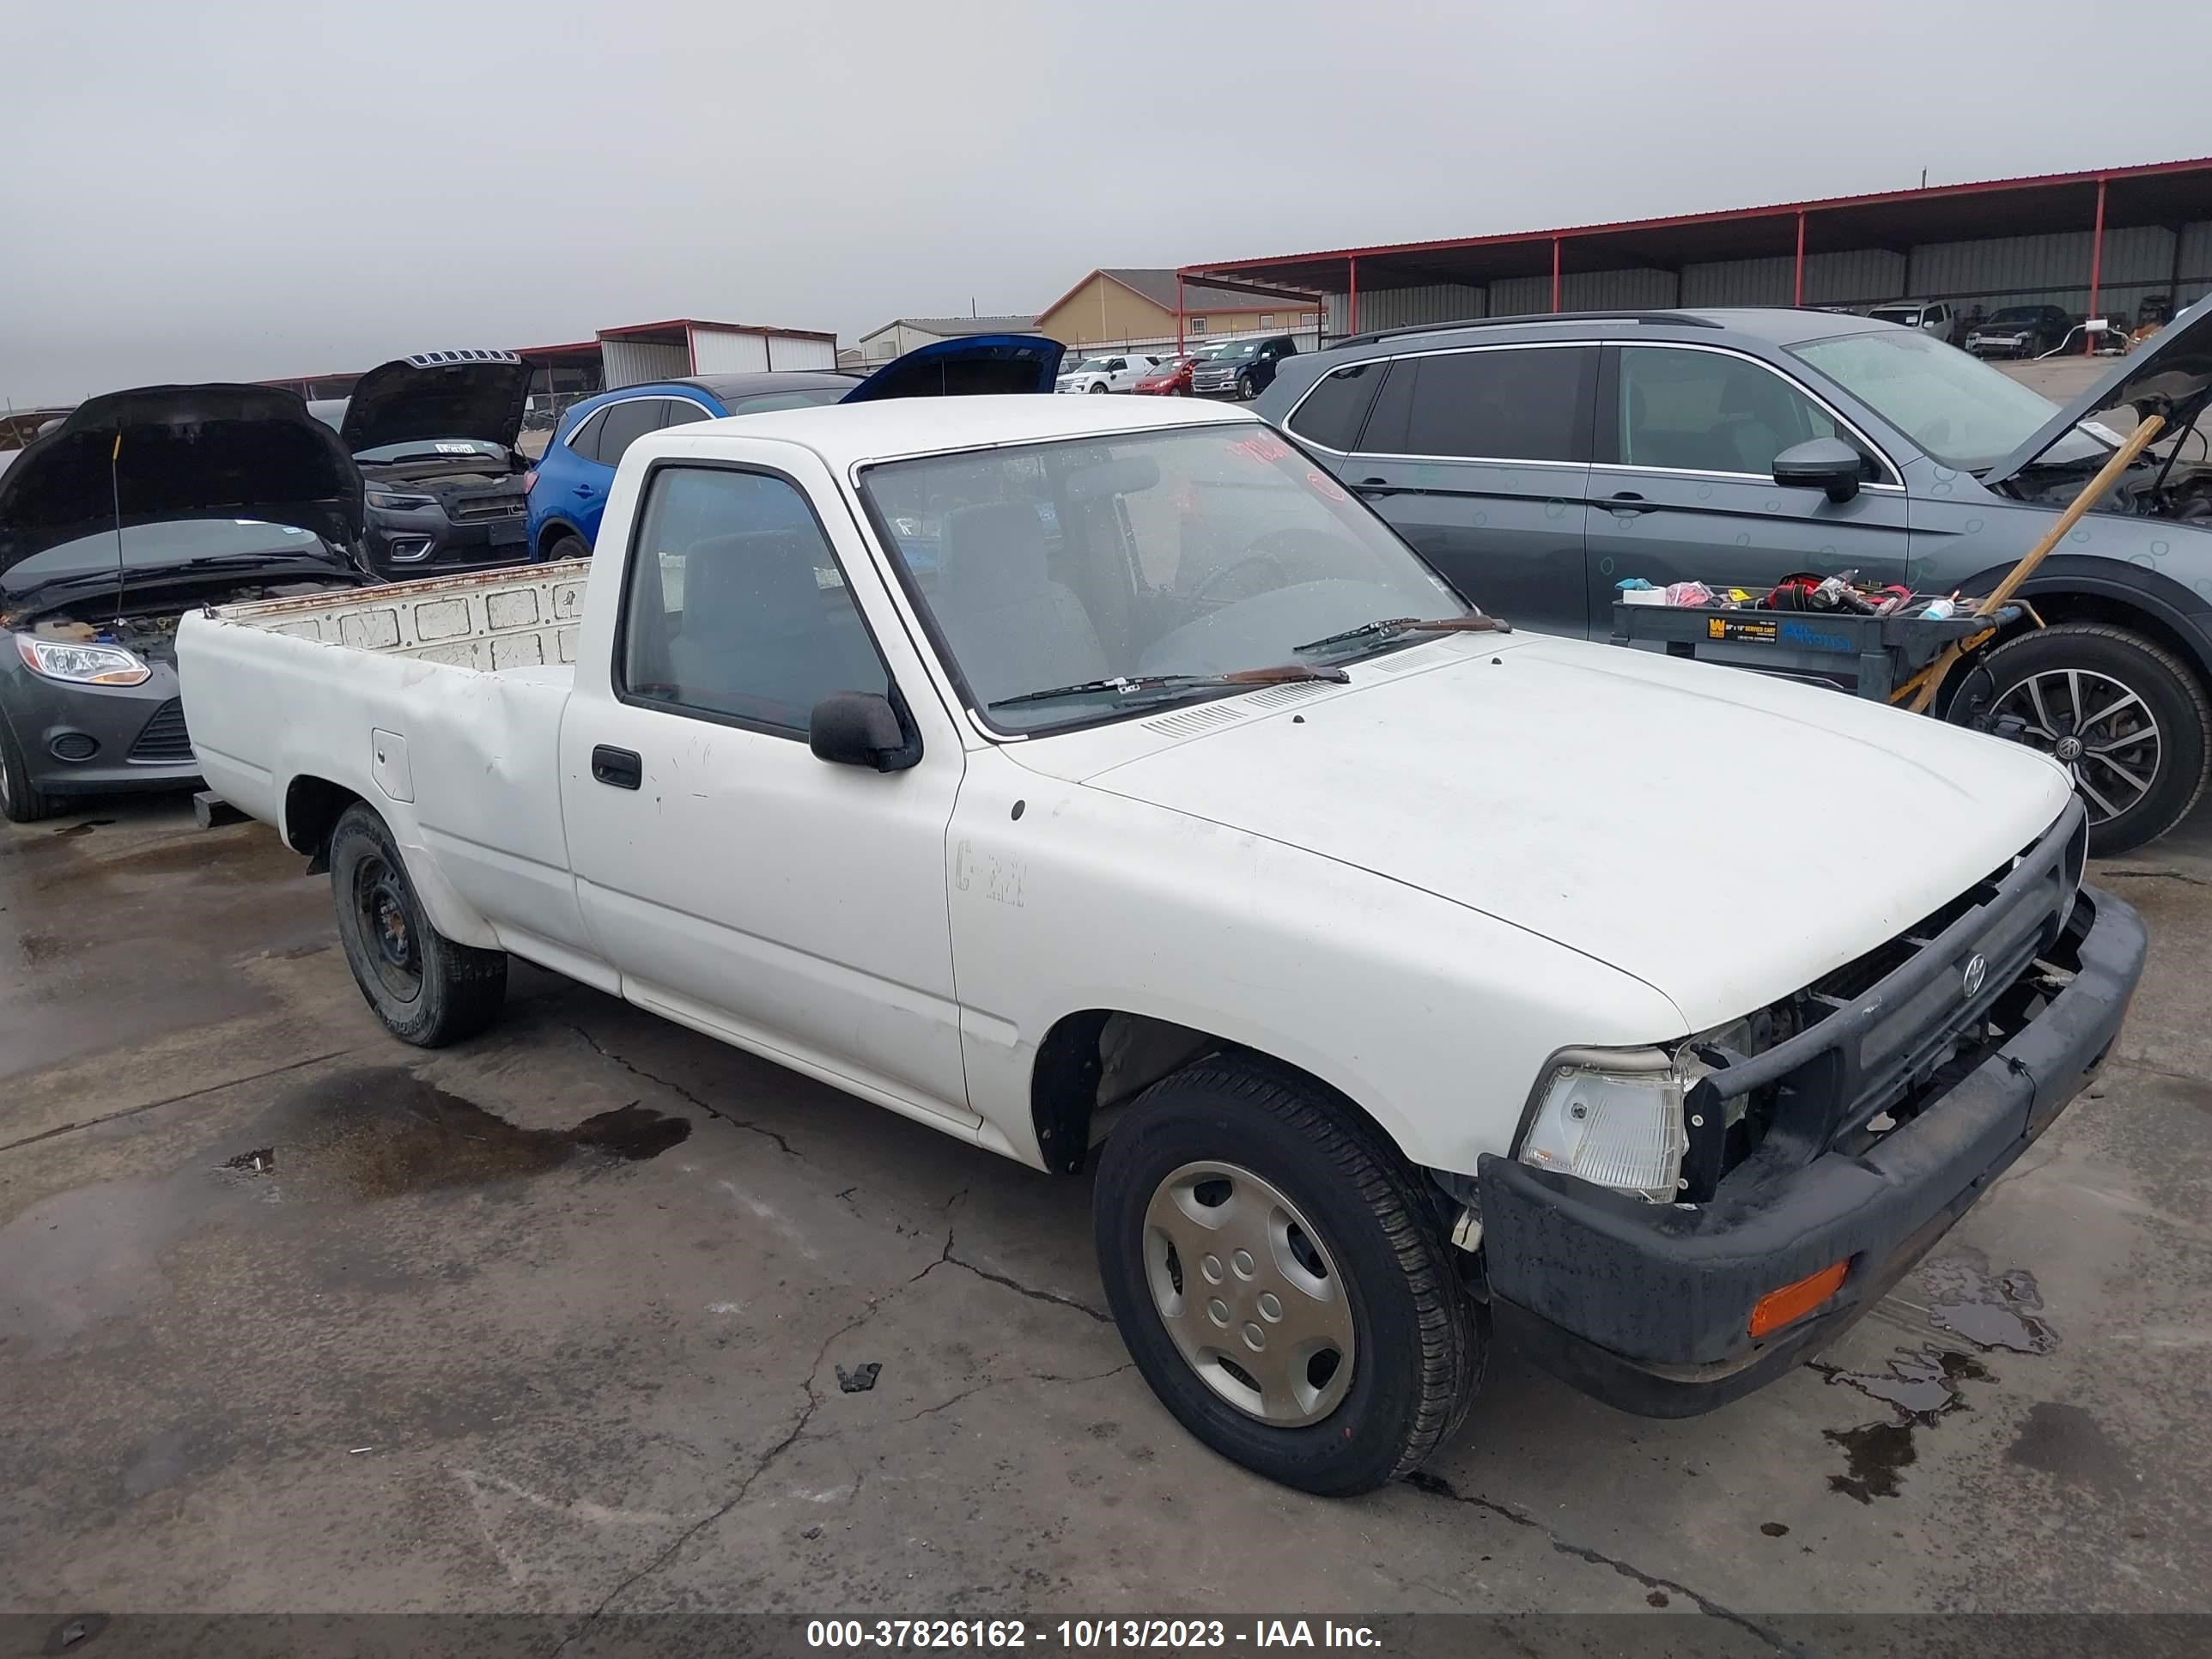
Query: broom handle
x=2138, y=440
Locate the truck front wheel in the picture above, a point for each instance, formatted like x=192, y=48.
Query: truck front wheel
x=1281, y=1280
x=426, y=989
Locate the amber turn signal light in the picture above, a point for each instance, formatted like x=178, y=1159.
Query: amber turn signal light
x=1777, y=1308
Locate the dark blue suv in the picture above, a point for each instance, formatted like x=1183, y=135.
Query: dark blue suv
x=1538, y=461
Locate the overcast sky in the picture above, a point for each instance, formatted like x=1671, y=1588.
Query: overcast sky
x=232, y=190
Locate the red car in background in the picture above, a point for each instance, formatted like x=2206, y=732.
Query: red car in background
x=1171, y=379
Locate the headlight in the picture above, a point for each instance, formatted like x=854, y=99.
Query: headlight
x=391, y=503
x=1612, y=1116
x=81, y=665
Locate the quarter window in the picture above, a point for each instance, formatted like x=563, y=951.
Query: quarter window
x=735, y=608
x=1707, y=411
x=1520, y=405
x=585, y=440
x=1332, y=412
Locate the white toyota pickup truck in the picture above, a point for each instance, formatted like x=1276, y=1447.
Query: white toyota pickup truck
x=1094, y=780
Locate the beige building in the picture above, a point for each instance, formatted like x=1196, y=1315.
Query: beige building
x=1126, y=307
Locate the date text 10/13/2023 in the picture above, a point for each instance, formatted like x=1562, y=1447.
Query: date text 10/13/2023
x=1087, y=1635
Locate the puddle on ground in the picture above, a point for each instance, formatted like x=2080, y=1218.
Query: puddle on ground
x=1874, y=1454
x=1922, y=1385
x=98, y=1252
x=1997, y=1310
x=381, y=1131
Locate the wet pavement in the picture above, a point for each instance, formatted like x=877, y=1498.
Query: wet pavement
x=575, y=1320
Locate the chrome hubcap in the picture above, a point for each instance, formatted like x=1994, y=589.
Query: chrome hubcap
x=1249, y=1293
x=2102, y=731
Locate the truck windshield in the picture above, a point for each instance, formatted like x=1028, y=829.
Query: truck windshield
x=1958, y=409
x=1199, y=550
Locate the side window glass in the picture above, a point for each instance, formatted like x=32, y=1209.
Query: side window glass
x=682, y=411
x=1707, y=411
x=585, y=440
x=734, y=607
x=1523, y=405
x=1332, y=412
x=1393, y=403
x=625, y=423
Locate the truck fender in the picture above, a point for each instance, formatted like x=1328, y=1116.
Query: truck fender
x=448, y=912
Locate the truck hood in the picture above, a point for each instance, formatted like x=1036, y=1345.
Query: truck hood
x=437, y=394
x=983, y=364
x=2170, y=374
x=172, y=452
x=1724, y=837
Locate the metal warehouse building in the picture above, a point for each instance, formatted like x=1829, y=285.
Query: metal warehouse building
x=638, y=352
x=2096, y=243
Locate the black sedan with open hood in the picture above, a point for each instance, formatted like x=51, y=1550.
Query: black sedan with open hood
x=138, y=507
x=433, y=435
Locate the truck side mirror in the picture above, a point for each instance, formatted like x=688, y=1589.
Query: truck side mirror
x=860, y=728
x=1827, y=464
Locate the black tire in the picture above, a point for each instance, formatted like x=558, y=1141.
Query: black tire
x=21, y=800
x=1418, y=1338
x=568, y=545
x=1098, y=387
x=1998, y=683
x=1244, y=391
x=426, y=989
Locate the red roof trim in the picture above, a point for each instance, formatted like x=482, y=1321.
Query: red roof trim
x=1932, y=192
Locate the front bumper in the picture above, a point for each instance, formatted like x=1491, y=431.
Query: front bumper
x=1648, y=1307
x=129, y=737
x=403, y=544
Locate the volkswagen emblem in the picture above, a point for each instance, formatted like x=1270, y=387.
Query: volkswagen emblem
x=1978, y=969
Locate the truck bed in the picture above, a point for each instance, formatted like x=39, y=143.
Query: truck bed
x=438, y=702
x=493, y=620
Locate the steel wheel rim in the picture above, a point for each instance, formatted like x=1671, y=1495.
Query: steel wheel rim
x=387, y=928
x=1249, y=1293
x=2098, y=727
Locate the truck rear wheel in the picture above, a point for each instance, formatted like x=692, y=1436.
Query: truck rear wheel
x=1280, y=1279
x=426, y=989
x=2126, y=718
x=567, y=547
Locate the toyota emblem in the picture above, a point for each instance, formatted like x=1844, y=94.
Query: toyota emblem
x=1978, y=969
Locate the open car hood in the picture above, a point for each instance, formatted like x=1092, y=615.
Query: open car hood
x=437, y=394
x=167, y=452
x=983, y=364
x=2170, y=374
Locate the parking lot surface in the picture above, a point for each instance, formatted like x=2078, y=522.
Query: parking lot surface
x=570, y=1319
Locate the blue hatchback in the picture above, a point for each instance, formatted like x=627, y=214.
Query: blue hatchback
x=568, y=487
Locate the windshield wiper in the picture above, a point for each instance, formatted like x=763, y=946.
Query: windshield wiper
x=1390, y=626
x=1139, y=684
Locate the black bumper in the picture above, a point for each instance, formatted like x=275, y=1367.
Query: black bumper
x=1648, y=1307
x=402, y=545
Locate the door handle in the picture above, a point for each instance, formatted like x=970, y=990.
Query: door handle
x=620, y=766
x=1627, y=504
x=1378, y=487
x=584, y=491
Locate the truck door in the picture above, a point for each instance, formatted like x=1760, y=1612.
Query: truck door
x=738, y=884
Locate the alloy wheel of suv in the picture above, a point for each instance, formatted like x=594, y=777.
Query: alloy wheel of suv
x=2127, y=719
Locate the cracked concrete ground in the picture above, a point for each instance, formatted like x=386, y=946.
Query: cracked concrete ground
x=294, y=1317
